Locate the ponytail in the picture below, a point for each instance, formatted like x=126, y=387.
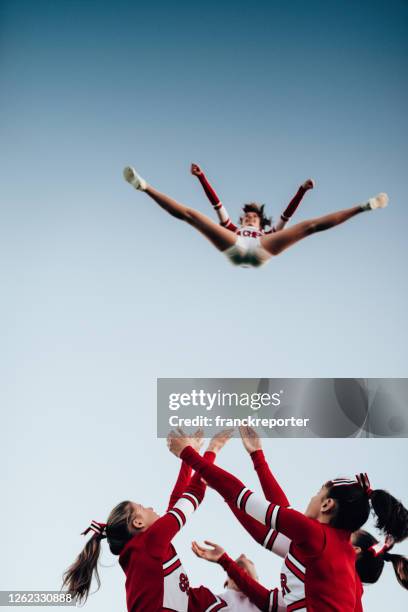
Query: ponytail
x=353, y=501
x=372, y=556
x=118, y=531
x=392, y=516
x=78, y=577
x=400, y=565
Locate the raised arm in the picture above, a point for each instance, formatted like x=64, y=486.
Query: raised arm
x=292, y=206
x=308, y=534
x=182, y=482
x=270, y=486
x=267, y=537
x=218, y=206
x=166, y=527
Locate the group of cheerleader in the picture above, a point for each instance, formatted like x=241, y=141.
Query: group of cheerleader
x=255, y=240
x=327, y=556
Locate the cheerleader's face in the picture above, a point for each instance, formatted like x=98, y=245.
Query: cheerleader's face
x=143, y=517
x=321, y=505
x=252, y=219
x=355, y=538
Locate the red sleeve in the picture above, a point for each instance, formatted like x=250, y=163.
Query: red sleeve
x=272, y=490
x=216, y=202
x=201, y=598
x=307, y=533
x=182, y=482
x=184, y=477
x=256, y=593
x=165, y=528
x=230, y=226
x=209, y=191
x=255, y=529
x=268, y=538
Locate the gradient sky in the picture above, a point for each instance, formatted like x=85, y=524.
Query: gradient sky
x=102, y=292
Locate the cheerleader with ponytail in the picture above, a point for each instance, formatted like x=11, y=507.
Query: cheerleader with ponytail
x=372, y=556
x=155, y=578
x=318, y=573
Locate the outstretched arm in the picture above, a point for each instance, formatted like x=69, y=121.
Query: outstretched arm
x=189, y=497
x=270, y=486
x=266, y=536
x=184, y=475
x=262, y=597
x=218, y=206
x=182, y=482
x=165, y=528
x=185, y=498
x=292, y=206
x=304, y=532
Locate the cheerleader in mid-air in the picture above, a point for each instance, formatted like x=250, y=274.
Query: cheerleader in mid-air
x=371, y=555
x=249, y=245
x=319, y=570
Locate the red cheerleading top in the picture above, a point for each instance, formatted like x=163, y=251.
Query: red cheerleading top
x=318, y=574
x=155, y=578
x=247, y=231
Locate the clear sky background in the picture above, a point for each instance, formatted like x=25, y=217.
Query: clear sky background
x=102, y=292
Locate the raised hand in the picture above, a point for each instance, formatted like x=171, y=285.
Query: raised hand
x=195, y=170
x=219, y=440
x=212, y=554
x=250, y=439
x=178, y=440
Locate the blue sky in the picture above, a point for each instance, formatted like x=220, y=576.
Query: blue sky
x=102, y=292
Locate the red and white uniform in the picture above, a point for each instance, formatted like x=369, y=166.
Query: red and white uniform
x=267, y=537
x=248, y=250
x=275, y=541
x=318, y=574
x=155, y=578
x=253, y=595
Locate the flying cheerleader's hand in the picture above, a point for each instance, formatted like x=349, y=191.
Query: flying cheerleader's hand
x=250, y=439
x=219, y=440
x=177, y=441
x=195, y=170
x=212, y=554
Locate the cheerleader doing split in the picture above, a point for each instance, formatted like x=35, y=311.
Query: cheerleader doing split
x=249, y=245
x=318, y=573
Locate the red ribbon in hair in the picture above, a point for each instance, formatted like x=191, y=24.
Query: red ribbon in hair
x=378, y=550
x=98, y=528
x=364, y=483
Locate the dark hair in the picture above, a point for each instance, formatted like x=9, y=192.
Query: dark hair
x=353, y=509
x=78, y=577
x=259, y=209
x=352, y=506
x=369, y=567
